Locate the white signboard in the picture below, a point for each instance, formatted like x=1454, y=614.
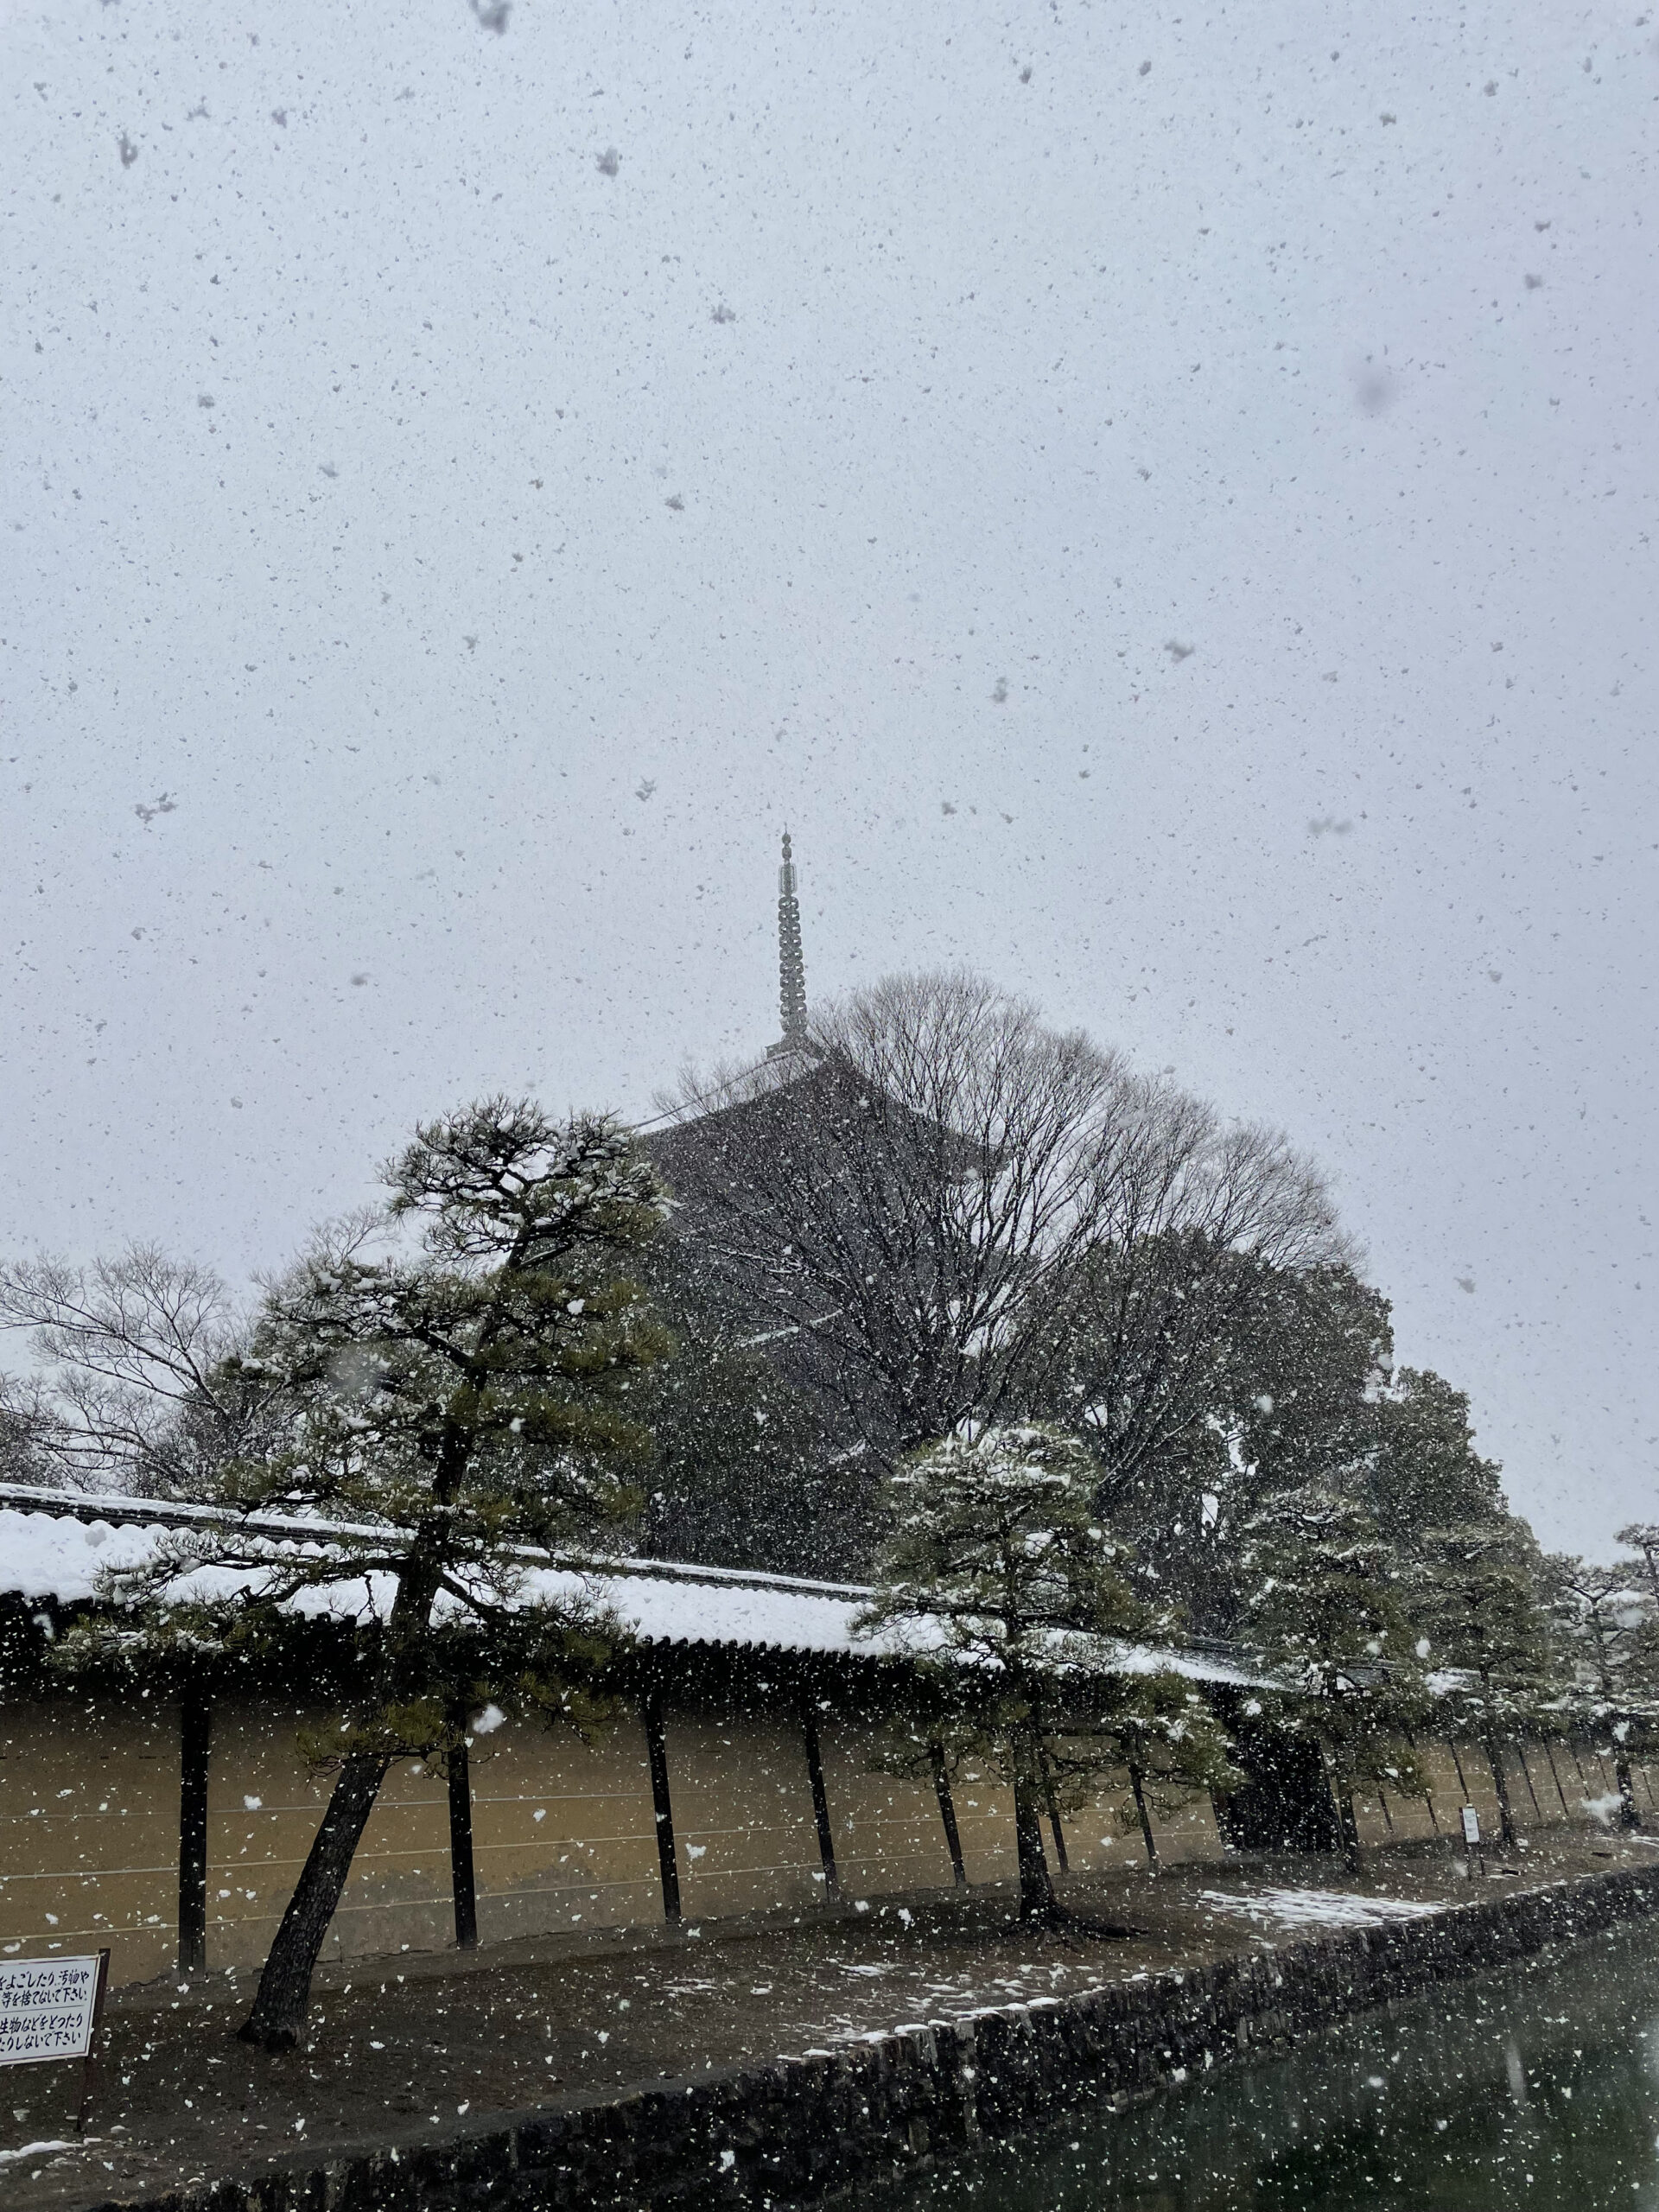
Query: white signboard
x=1470, y=1825
x=48, y=2009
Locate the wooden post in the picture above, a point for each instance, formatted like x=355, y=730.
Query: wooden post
x=1137, y=1786
x=1506, y=1834
x=820, y=1800
x=1428, y=1794
x=89, y=2065
x=1554, y=1777
x=1526, y=1775
x=195, y=1727
x=462, y=1879
x=657, y=1756
x=1060, y=1857
x=948, y=1814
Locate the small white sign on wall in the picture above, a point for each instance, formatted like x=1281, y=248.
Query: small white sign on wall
x=48, y=2008
x=1470, y=1825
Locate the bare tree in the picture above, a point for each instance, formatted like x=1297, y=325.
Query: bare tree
x=900, y=1199
x=26, y=1420
x=919, y=1207
x=133, y=1393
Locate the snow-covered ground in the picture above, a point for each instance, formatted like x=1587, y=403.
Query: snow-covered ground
x=36, y=2151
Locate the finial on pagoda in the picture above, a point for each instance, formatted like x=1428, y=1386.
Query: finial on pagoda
x=791, y=967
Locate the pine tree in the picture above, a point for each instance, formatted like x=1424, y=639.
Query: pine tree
x=1003, y=1584
x=1425, y=1472
x=1474, y=1594
x=1604, y=1636
x=460, y=1399
x=1296, y=1405
x=1304, y=1376
x=1325, y=1603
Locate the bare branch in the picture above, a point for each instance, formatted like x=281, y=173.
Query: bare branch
x=934, y=1198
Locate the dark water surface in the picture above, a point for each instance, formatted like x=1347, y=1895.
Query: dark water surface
x=1535, y=2088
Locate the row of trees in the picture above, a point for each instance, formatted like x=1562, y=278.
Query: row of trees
x=1464, y=1630
x=1018, y=1606
x=1043, y=1348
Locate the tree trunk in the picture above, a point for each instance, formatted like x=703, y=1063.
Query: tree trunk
x=948, y=1814
x=1526, y=1775
x=1500, y=1782
x=1055, y=1829
x=1462, y=1780
x=1554, y=1777
x=280, y=2004
x=1340, y=1785
x=1628, y=1815
x=277, y=2020
x=1146, y=1818
x=1036, y=1890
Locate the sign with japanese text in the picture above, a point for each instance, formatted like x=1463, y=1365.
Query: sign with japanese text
x=48, y=2009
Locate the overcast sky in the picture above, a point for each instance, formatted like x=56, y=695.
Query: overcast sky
x=1160, y=499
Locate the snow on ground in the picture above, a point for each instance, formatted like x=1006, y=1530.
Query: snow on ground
x=1316, y=1908
x=1602, y=1808
x=33, y=2150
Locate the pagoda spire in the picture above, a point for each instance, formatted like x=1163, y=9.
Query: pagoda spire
x=791, y=967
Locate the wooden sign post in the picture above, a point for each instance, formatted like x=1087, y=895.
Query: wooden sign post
x=1472, y=1838
x=54, y=2008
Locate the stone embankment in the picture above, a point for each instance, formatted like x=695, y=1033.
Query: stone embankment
x=798, y=2130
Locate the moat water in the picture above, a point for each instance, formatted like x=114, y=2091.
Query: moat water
x=1536, y=2088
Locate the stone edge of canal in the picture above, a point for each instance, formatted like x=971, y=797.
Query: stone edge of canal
x=798, y=2130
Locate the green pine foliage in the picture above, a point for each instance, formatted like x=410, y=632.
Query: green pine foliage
x=1324, y=1602
x=1304, y=1377
x=1608, y=1681
x=1295, y=1405
x=456, y=1380
x=1425, y=1472
x=1474, y=1594
x=1001, y=1580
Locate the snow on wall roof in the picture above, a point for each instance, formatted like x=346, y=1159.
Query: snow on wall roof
x=50, y=1553
x=61, y=1545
